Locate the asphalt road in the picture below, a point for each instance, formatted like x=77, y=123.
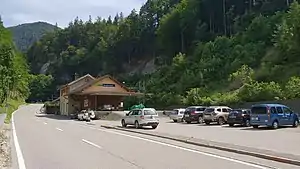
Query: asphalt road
x=50, y=142
x=283, y=140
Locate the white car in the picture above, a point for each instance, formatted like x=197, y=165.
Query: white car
x=141, y=117
x=84, y=115
x=177, y=115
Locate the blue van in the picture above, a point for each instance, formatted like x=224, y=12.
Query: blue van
x=272, y=115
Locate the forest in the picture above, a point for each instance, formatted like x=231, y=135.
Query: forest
x=206, y=52
x=14, y=73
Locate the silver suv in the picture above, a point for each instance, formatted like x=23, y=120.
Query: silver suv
x=141, y=117
x=217, y=114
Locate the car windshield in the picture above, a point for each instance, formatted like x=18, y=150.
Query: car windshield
x=259, y=110
x=235, y=111
x=209, y=110
x=190, y=109
x=149, y=112
x=175, y=112
x=200, y=109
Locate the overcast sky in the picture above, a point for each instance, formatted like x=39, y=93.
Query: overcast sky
x=14, y=12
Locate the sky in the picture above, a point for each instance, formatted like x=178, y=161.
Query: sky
x=15, y=12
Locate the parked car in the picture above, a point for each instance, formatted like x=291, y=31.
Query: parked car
x=273, y=115
x=194, y=114
x=167, y=112
x=217, y=114
x=141, y=117
x=177, y=115
x=239, y=116
x=74, y=115
x=86, y=115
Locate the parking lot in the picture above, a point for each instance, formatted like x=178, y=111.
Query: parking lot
x=284, y=140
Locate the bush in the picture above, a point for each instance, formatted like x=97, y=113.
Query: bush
x=292, y=89
x=260, y=92
x=253, y=91
x=197, y=96
x=227, y=98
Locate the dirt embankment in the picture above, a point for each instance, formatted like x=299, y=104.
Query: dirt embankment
x=5, y=156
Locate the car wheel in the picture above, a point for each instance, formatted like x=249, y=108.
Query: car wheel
x=123, y=123
x=255, y=126
x=296, y=123
x=181, y=120
x=247, y=123
x=200, y=120
x=136, y=124
x=154, y=126
x=275, y=124
x=188, y=122
x=175, y=121
x=207, y=123
x=221, y=121
x=231, y=124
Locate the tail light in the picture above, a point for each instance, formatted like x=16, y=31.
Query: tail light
x=142, y=117
x=193, y=113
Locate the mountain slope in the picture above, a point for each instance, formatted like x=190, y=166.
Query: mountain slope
x=25, y=35
x=200, y=56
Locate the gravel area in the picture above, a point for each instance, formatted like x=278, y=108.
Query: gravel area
x=5, y=156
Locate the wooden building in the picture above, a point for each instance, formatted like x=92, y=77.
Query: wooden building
x=95, y=94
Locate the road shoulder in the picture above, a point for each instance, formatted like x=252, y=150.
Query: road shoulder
x=5, y=148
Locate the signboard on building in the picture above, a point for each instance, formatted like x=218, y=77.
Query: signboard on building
x=86, y=103
x=107, y=85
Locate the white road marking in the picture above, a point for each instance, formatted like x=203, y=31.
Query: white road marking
x=185, y=149
x=21, y=162
x=45, y=123
x=90, y=143
x=59, y=129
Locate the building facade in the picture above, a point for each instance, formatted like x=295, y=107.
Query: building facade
x=65, y=101
x=96, y=94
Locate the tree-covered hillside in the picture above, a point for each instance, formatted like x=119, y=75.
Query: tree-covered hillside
x=14, y=72
x=25, y=35
x=205, y=51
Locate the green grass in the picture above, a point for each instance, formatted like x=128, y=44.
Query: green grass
x=12, y=106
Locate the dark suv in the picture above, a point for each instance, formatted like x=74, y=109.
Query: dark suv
x=194, y=114
x=239, y=116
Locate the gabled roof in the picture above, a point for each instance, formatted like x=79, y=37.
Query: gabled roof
x=97, y=80
x=82, y=77
x=77, y=80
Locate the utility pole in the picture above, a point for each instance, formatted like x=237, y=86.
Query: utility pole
x=224, y=17
x=288, y=2
x=139, y=89
x=144, y=92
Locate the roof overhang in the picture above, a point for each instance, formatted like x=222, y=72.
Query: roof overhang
x=103, y=93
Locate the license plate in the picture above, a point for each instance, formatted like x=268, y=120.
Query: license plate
x=187, y=115
x=232, y=116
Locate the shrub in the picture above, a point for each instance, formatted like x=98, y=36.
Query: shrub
x=292, y=89
x=197, y=96
x=227, y=98
x=260, y=91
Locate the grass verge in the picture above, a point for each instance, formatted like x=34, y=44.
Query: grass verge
x=13, y=105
